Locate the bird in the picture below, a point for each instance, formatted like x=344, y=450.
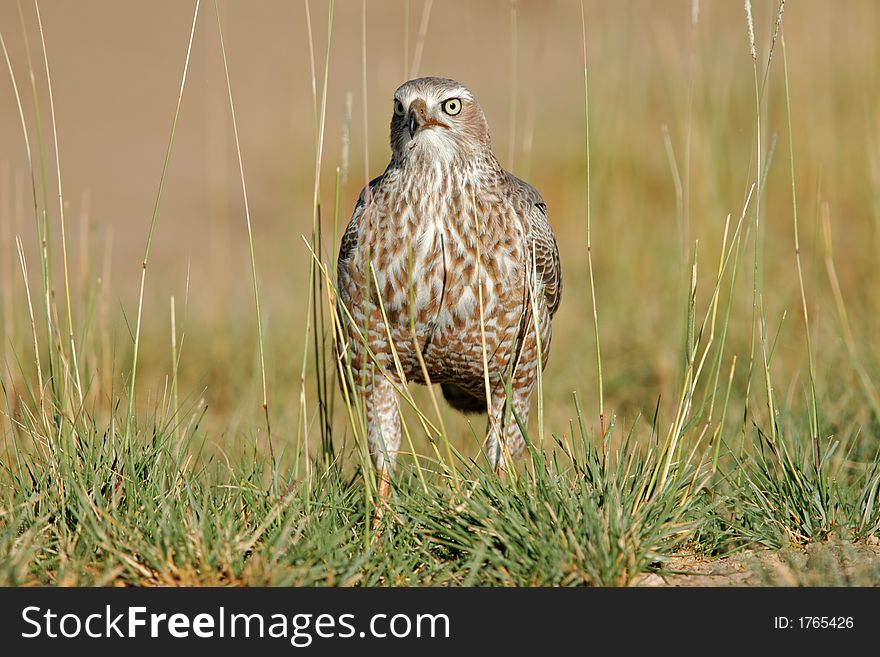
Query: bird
x=448, y=273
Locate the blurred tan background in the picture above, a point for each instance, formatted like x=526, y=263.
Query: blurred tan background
x=116, y=69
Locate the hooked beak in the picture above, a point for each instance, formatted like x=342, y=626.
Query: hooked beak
x=413, y=122
x=418, y=118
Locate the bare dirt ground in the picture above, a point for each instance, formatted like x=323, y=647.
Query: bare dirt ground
x=821, y=564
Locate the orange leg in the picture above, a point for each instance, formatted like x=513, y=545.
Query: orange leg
x=384, y=493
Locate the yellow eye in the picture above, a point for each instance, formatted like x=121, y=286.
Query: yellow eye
x=452, y=106
x=398, y=108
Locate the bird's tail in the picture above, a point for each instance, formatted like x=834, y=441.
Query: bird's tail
x=463, y=400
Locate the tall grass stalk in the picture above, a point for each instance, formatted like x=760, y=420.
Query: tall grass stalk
x=589, y=230
x=325, y=391
x=734, y=251
x=679, y=188
x=758, y=319
x=175, y=400
x=42, y=231
x=8, y=271
x=247, y=214
x=814, y=406
x=106, y=365
x=683, y=415
x=405, y=71
x=365, y=104
x=314, y=296
x=44, y=234
x=68, y=305
x=24, y=273
x=153, y=219
x=755, y=267
x=685, y=226
x=420, y=39
x=539, y=343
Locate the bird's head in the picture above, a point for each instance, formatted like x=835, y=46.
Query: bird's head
x=436, y=118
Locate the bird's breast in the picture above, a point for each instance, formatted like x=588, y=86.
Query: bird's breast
x=439, y=262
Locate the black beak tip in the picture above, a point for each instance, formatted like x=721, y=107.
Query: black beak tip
x=413, y=123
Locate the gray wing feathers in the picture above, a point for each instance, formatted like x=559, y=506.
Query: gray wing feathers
x=540, y=240
x=350, y=237
x=349, y=243
x=547, y=266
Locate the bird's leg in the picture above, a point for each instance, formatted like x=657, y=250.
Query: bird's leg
x=384, y=485
x=383, y=425
x=505, y=441
x=495, y=433
x=383, y=493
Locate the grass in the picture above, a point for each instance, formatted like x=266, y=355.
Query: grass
x=757, y=443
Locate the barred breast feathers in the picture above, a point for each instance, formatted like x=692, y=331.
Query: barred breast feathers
x=405, y=184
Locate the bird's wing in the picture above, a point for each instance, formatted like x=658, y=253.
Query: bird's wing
x=540, y=240
x=349, y=241
x=347, y=286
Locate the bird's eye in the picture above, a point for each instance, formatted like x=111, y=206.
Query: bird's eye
x=398, y=108
x=452, y=106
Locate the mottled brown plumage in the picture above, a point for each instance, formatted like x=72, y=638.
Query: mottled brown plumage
x=443, y=231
